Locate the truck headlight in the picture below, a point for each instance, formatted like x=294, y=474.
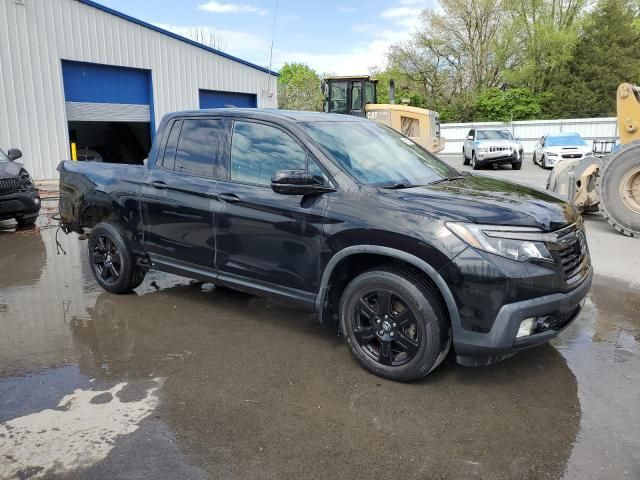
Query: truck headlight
x=549, y=154
x=483, y=149
x=516, y=243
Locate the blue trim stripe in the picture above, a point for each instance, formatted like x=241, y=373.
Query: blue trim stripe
x=175, y=36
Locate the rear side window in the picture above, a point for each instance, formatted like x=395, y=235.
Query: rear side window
x=169, y=157
x=198, y=146
x=258, y=151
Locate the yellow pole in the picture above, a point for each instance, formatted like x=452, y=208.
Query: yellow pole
x=74, y=153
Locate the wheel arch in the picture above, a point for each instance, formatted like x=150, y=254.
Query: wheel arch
x=323, y=302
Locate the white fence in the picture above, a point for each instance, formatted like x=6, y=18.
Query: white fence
x=530, y=131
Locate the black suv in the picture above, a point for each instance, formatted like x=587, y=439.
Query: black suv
x=344, y=217
x=19, y=198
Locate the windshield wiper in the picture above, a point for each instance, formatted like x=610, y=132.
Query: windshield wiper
x=398, y=186
x=445, y=179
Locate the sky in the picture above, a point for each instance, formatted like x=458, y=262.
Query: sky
x=331, y=36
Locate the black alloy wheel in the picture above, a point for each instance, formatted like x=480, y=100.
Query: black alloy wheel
x=385, y=328
x=395, y=323
x=111, y=259
x=106, y=259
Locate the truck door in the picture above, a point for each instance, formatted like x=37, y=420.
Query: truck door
x=177, y=200
x=262, y=236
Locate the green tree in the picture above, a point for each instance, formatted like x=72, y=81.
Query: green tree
x=511, y=104
x=299, y=88
x=546, y=30
x=605, y=55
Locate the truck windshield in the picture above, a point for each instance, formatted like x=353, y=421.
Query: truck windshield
x=494, y=135
x=3, y=157
x=374, y=154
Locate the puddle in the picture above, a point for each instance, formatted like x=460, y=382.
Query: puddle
x=251, y=388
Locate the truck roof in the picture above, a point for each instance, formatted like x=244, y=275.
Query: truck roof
x=268, y=113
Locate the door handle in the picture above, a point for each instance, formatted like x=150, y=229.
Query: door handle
x=228, y=197
x=158, y=184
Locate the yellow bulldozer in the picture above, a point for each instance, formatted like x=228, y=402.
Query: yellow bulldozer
x=610, y=184
x=358, y=96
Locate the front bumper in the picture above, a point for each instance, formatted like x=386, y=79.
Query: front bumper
x=19, y=204
x=475, y=348
x=498, y=157
x=552, y=161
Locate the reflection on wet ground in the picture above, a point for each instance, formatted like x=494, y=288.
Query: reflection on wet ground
x=200, y=382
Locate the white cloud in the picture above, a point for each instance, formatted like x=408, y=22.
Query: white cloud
x=218, y=7
x=400, y=12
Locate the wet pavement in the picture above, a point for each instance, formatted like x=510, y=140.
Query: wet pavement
x=184, y=380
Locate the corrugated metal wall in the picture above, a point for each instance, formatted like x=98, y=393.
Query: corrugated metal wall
x=35, y=35
x=530, y=131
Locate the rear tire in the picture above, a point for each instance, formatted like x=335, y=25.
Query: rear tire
x=619, y=190
x=401, y=336
x=111, y=259
x=535, y=161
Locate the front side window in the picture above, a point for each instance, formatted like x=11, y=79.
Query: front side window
x=374, y=154
x=258, y=151
x=198, y=147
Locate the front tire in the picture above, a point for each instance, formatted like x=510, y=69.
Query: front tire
x=474, y=161
x=543, y=162
x=111, y=259
x=516, y=165
x=394, y=323
x=535, y=160
x=465, y=159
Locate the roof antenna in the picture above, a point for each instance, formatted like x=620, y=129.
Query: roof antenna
x=273, y=33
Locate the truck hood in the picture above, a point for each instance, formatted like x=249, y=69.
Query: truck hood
x=489, y=201
x=10, y=169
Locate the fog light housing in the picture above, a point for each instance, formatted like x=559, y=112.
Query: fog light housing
x=36, y=200
x=526, y=327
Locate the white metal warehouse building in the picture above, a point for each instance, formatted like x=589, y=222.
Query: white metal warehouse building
x=76, y=71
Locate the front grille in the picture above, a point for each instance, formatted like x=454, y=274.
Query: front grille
x=499, y=149
x=572, y=249
x=571, y=155
x=8, y=185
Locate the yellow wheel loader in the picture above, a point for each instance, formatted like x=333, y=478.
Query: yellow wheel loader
x=610, y=184
x=358, y=96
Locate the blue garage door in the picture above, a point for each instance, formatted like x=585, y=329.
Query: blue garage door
x=213, y=99
x=95, y=92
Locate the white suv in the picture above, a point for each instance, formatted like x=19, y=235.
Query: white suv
x=492, y=146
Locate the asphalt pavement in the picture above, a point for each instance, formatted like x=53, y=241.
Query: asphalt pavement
x=181, y=379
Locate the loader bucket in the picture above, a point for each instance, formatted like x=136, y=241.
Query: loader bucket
x=576, y=181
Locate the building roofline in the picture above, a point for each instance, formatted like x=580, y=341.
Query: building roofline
x=175, y=36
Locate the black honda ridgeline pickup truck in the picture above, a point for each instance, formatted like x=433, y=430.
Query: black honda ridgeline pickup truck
x=343, y=217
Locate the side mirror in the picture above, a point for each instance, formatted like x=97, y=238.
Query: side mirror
x=299, y=182
x=14, y=154
x=469, y=137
